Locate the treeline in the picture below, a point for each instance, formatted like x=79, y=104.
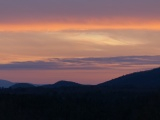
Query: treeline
x=79, y=105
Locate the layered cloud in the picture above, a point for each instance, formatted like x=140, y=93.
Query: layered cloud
x=104, y=63
x=30, y=46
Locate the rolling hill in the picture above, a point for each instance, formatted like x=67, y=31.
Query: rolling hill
x=62, y=83
x=144, y=79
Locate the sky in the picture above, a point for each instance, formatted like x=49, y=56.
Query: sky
x=85, y=41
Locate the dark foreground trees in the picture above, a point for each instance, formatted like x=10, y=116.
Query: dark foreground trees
x=88, y=105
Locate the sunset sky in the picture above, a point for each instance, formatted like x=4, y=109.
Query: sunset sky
x=86, y=41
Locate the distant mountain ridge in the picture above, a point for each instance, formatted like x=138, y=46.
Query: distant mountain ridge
x=62, y=83
x=143, y=79
x=5, y=83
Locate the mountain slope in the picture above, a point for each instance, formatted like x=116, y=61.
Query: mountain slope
x=144, y=79
x=6, y=83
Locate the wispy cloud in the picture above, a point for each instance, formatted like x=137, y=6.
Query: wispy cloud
x=124, y=62
x=49, y=44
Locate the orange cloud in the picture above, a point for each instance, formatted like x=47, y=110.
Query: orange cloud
x=84, y=25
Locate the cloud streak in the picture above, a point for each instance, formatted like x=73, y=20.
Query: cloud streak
x=29, y=46
x=101, y=63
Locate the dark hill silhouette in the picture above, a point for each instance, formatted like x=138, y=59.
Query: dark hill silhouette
x=99, y=102
x=22, y=85
x=6, y=83
x=62, y=83
x=144, y=79
x=84, y=103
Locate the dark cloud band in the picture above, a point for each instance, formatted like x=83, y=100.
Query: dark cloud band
x=84, y=63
